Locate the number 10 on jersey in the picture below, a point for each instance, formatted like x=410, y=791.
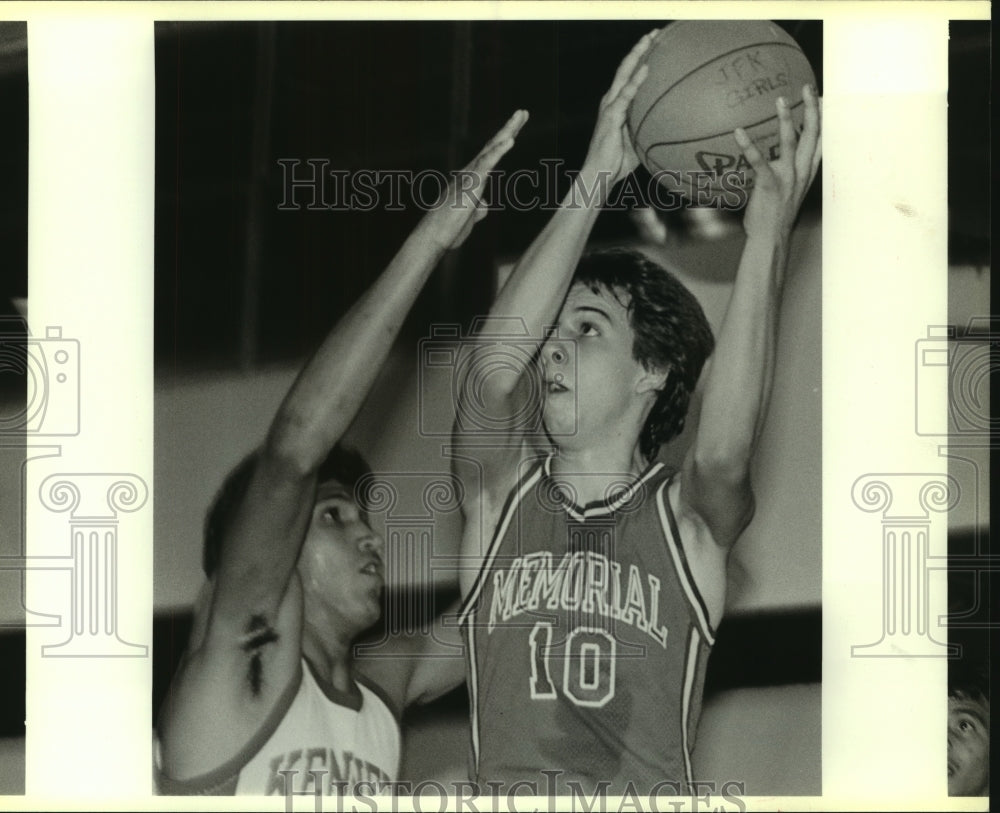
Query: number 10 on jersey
x=588, y=673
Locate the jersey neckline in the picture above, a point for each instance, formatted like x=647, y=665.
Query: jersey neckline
x=611, y=503
x=351, y=700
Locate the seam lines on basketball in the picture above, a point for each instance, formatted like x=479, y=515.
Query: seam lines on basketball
x=714, y=135
x=656, y=101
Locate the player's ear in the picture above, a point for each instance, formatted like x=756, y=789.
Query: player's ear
x=652, y=379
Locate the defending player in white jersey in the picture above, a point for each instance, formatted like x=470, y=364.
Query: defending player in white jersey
x=594, y=578
x=268, y=698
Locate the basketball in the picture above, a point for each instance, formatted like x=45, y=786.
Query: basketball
x=706, y=78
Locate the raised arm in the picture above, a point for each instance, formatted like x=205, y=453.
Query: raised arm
x=245, y=647
x=259, y=554
x=737, y=381
x=537, y=286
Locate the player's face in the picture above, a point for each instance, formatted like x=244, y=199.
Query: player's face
x=594, y=332
x=968, y=747
x=341, y=561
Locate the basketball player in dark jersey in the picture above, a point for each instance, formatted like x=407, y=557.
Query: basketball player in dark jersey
x=593, y=578
x=268, y=698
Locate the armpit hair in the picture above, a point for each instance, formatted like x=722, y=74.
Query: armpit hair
x=259, y=633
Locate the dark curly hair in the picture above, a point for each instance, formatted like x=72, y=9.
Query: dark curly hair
x=670, y=331
x=342, y=464
x=969, y=679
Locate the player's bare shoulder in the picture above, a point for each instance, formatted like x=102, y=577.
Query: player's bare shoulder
x=489, y=476
x=705, y=556
x=481, y=508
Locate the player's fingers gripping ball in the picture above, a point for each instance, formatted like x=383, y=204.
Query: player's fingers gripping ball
x=706, y=78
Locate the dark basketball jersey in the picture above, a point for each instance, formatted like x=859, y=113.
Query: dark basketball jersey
x=587, y=642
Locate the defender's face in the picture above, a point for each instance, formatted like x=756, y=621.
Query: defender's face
x=593, y=330
x=341, y=560
x=968, y=747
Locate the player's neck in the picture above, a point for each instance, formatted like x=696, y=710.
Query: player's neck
x=592, y=470
x=330, y=655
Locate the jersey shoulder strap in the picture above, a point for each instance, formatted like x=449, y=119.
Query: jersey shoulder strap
x=675, y=545
x=532, y=474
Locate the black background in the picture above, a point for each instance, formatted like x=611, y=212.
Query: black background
x=232, y=100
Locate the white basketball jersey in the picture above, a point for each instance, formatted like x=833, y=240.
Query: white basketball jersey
x=314, y=734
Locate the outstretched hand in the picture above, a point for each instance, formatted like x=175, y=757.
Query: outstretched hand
x=782, y=184
x=611, y=153
x=462, y=205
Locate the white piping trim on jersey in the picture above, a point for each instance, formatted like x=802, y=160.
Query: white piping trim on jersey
x=608, y=508
x=474, y=689
x=474, y=597
x=691, y=669
x=690, y=590
x=498, y=536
